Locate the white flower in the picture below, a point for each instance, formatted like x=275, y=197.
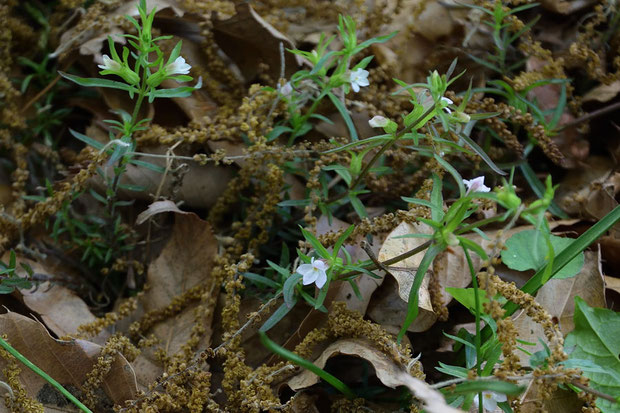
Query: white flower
x=178, y=67
x=358, y=78
x=287, y=89
x=476, y=185
x=449, y=102
x=109, y=64
x=489, y=400
x=378, y=122
x=314, y=272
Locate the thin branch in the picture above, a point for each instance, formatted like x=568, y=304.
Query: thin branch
x=591, y=115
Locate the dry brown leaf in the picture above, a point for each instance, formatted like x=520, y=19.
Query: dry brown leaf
x=561, y=401
x=185, y=262
x=91, y=39
x=612, y=283
x=557, y=296
x=393, y=247
x=59, y=308
x=603, y=93
x=303, y=403
x=68, y=362
x=158, y=207
x=249, y=41
x=590, y=191
x=199, y=180
x=386, y=370
x=565, y=7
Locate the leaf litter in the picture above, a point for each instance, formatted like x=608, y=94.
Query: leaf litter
x=182, y=307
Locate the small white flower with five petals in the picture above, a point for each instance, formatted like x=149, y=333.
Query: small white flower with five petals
x=489, y=400
x=178, y=67
x=358, y=77
x=476, y=185
x=378, y=122
x=314, y=272
x=109, y=64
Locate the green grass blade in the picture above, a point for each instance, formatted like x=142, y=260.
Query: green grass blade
x=412, y=303
x=43, y=374
x=345, y=115
x=295, y=359
x=563, y=258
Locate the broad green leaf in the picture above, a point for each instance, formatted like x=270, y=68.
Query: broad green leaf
x=527, y=250
x=595, y=338
x=466, y=297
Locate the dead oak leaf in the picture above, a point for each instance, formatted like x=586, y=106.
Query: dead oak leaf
x=68, y=362
x=185, y=263
x=390, y=374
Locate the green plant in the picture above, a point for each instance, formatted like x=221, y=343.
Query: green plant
x=502, y=59
x=103, y=239
x=9, y=280
x=331, y=74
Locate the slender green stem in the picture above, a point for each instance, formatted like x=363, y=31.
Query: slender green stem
x=374, y=159
x=43, y=374
x=398, y=258
x=477, y=338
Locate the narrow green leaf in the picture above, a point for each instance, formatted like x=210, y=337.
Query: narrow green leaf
x=412, y=302
x=294, y=358
x=481, y=153
x=345, y=115
x=495, y=386
x=563, y=258
x=457, y=177
x=98, y=82
x=320, y=249
x=277, y=315
x=89, y=141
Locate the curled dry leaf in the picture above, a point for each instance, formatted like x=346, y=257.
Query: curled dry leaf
x=603, y=93
x=565, y=7
x=158, y=207
x=390, y=374
x=90, y=38
x=184, y=263
x=391, y=248
x=68, y=362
